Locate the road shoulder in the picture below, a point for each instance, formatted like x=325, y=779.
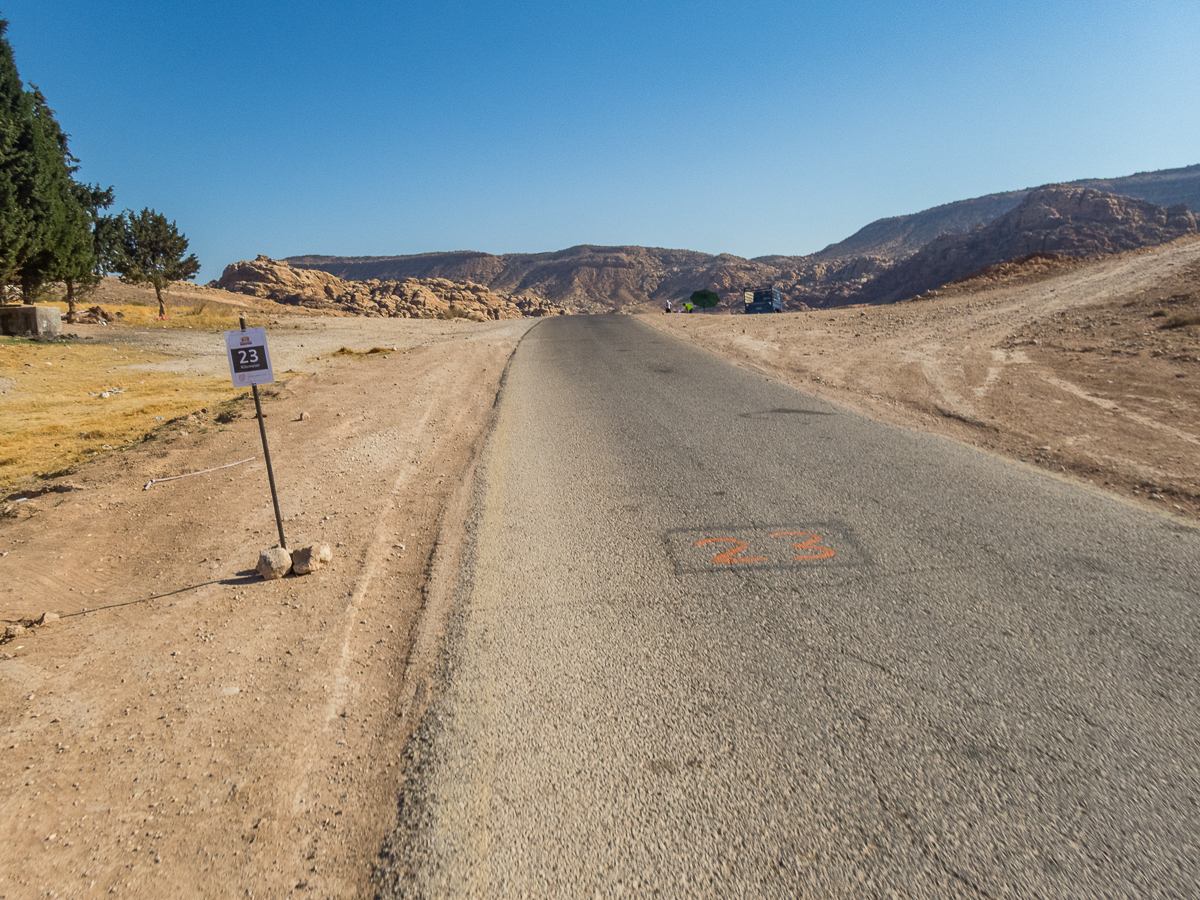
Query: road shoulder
x=185, y=728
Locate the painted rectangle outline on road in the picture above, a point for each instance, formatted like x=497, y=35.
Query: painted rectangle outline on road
x=788, y=545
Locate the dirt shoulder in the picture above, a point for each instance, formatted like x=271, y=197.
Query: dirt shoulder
x=186, y=729
x=1078, y=367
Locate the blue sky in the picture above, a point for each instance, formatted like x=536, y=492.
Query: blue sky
x=751, y=128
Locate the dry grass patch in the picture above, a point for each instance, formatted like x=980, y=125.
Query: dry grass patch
x=346, y=352
x=64, y=402
x=211, y=315
x=1185, y=321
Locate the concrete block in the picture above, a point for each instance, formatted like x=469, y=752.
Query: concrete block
x=33, y=321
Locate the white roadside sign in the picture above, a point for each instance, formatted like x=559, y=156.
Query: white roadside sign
x=249, y=361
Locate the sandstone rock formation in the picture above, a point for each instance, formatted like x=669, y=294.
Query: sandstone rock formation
x=898, y=237
x=592, y=279
x=601, y=279
x=1057, y=219
x=408, y=298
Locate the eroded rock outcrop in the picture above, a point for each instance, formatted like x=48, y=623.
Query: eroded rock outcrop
x=591, y=278
x=408, y=298
x=1056, y=219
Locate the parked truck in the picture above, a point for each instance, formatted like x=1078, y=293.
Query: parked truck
x=763, y=300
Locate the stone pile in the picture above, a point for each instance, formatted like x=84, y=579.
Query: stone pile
x=277, y=562
x=93, y=315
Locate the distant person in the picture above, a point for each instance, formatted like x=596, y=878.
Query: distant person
x=668, y=304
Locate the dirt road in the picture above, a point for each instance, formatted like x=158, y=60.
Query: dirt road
x=1070, y=366
x=186, y=729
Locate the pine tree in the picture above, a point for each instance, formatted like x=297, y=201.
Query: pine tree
x=16, y=117
x=106, y=237
x=152, y=251
x=80, y=267
x=61, y=227
x=45, y=231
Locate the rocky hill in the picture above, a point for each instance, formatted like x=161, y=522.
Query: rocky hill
x=901, y=236
x=585, y=278
x=406, y=298
x=592, y=279
x=897, y=237
x=602, y=279
x=1063, y=220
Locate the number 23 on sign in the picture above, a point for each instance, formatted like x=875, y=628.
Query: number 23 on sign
x=811, y=549
x=249, y=360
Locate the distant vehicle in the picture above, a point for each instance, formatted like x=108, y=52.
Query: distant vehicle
x=763, y=300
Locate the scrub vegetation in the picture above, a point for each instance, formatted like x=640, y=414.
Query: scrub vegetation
x=66, y=402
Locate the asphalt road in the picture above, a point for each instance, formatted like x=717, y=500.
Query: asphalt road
x=719, y=638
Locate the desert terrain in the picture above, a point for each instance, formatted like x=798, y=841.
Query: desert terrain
x=887, y=260
x=1085, y=368
x=184, y=728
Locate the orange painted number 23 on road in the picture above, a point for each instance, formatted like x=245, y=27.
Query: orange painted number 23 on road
x=813, y=545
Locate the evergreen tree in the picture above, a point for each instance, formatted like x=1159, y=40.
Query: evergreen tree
x=61, y=228
x=16, y=117
x=79, y=267
x=151, y=250
x=45, y=231
x=106, y=237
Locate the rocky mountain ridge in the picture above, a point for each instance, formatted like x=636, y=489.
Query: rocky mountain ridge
x=600, y=279
x=901, y=236
x=405, y=298
x=1066, y=221
x=592, y=279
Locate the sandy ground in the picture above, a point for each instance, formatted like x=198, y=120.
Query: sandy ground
x=1066, y=366
x=186, y=729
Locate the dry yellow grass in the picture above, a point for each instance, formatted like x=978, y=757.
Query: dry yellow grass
x=54, y=412
x=205, y=314
x=361, y=354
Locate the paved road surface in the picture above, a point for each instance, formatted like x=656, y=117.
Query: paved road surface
x=719, y=638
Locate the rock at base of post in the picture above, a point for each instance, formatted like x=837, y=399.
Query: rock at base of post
x=274, y=563
x=307, y=560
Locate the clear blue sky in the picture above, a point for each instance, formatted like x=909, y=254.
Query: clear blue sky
x=751, y=128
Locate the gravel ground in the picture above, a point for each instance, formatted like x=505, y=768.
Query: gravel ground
x=186, y=728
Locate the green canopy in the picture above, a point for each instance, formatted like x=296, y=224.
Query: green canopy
x=705, y=299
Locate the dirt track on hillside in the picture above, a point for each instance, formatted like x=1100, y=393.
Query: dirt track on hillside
x=187, y=729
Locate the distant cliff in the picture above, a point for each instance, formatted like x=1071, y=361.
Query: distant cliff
x=593, y=279
x=859, y=269
x=901, y=236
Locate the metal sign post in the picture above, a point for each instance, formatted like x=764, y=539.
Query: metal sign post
x=250, y=363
